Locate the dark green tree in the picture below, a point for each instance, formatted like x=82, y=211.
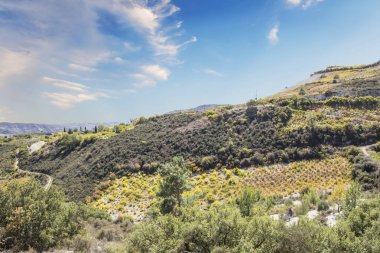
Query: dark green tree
x=174, y=180
x=32, y=217
x=302, y=92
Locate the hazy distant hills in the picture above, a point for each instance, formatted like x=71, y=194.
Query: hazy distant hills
x=7, y=128
x=200, y=108
x=21, y=128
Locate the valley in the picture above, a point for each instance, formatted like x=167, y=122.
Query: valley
x=301, y=159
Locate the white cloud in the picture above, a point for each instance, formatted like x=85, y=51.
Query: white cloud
x=65, y=84
x=67, y=100
x=86, y=60
x=150, y=75
x=118, y=60
x=63, y=40
x=13, y=63
x=304, y=3
x=155, y=72
x=294, y=2
x=78, y=93
x=212, y=72
x=273, y=35
x=146, y=17
x=308, y=3
x=81, y=67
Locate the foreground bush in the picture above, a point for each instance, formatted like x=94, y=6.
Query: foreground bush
x=31, y=217
x=224, y=229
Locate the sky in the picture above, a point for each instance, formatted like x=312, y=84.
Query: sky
x=74, y=61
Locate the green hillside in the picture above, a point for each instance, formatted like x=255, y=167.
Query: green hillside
x=279, y=129
x=287, y=163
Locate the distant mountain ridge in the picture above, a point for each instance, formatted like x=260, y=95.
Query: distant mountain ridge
x=8, y=128
x=200, y=108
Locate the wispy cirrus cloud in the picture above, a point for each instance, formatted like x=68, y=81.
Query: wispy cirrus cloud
x=65, y=84
x=212, y=72
x=65, y=39
x=81, y=67
x=68, y=100
x=72, y=94
x=146, y=18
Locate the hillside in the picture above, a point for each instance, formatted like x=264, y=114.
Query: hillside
x=286, y=166
x=361, y=80
x=264, y=132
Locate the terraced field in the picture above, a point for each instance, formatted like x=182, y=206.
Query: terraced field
x=133, y=195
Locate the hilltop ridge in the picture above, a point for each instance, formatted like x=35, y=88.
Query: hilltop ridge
x=343, y=81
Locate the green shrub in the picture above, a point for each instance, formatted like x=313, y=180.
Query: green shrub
x=33, y=217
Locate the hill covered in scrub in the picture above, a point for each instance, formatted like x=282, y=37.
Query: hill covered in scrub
x=294, y=172
x=362, y=80
x=292, y=126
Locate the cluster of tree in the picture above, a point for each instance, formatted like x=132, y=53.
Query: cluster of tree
x=34, y=218
x=367, y=102
x=298, y=103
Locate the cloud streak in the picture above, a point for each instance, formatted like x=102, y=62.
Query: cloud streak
x=273, y=35
x=305, y=4
x=67, y=100
x=74, y=93
x=212, y=72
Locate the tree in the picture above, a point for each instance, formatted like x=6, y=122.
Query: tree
x=352, y=196
x=32, y=217
x=245, y=201
x=338, y=194
x=302, y=92
x=101, y=128
x=174, y=180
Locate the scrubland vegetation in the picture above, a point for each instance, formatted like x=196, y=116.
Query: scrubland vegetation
x=295, y=172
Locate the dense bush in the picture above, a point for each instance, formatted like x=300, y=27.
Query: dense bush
x=366, y=171
x=31, y=217
x=224, y=229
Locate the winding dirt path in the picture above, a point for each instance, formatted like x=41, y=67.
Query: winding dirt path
x=49, y=183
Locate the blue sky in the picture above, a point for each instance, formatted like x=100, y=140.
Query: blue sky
x=113, y=60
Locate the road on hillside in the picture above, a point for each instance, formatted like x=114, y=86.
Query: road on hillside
x=49, y=182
